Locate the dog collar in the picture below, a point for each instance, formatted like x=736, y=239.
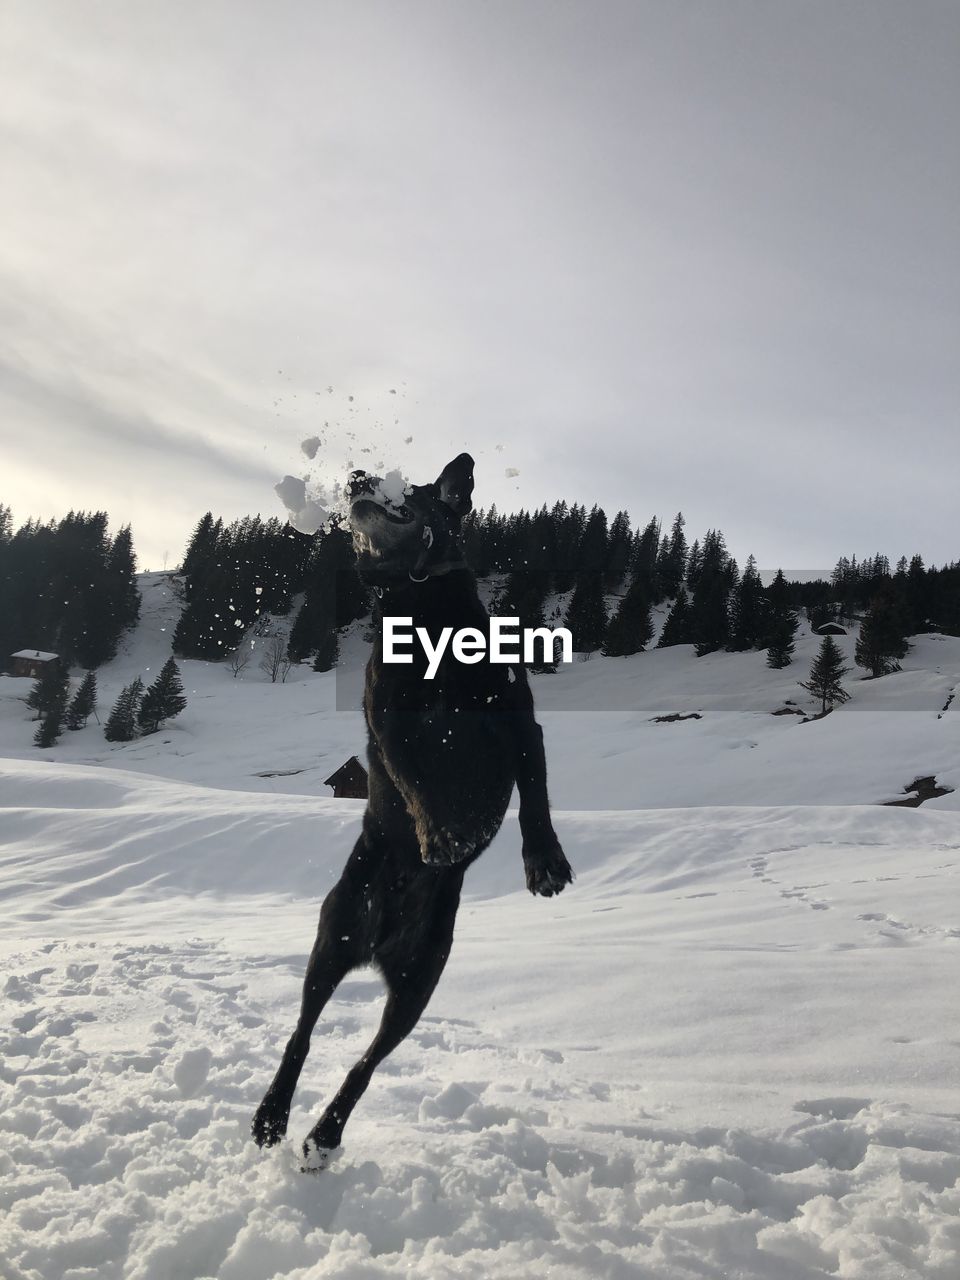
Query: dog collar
x=431, y=571
x=422, y=570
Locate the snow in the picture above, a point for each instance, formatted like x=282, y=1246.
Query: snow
x=391, y=490
x=306, y=514
x=34, y=653
x=725, y=1051
x=190, y=1073
x=360, y=429
x=310, y=505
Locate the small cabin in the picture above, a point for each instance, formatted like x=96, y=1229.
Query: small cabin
x=32, y=662
x=349, y=782
x=830, y=629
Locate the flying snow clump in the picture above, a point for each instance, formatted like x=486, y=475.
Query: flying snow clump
x=392, y=489
x=305, y=514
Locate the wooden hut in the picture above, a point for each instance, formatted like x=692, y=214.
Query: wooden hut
x=831, y=629
x=32, y=662
x=349, y=782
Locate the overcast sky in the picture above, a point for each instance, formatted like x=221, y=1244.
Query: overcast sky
x=698, y=256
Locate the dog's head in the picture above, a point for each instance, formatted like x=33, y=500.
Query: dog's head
x=415, y=534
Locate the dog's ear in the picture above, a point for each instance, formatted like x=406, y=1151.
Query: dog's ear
x=455, y=483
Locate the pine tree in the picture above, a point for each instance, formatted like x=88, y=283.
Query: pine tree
x=163, y=700
x=50, y=690
x=778, y=595
x=84, y=703
x=711, y=594
x=747, y=613
x=672, y=560
x=915, y=593
x=328, y=650
x=84, y=631
x=631, y=627
x=55, y=701
x=9, y=621
x=825, y=675
x=488, y=548
x=568, y=525
x=678, y=628
x=587, y=613
x=202, y=546
x=709, y=614
x=51, y=726
x=781, y=624
x=210, y=625
x=643, y=561
x=124, y=597
x=592, y=552
x=219, y=606
x=306, y=629
x=541, y=552
x=882, y=640
x=38, y=697
x=121, y=724
x=694, y=565
x=334, y=597
x=523, y=597
x=781, y=640
x=619, y=547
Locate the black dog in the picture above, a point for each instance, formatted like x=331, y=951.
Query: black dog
x=444, y=756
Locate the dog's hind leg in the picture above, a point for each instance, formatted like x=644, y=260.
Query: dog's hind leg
x=339, y=947
x=411, y=967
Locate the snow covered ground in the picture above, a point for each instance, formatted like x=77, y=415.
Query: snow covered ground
x=730, y=1049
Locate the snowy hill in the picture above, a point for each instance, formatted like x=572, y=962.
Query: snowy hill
x=605, y=748
x=725, y=1051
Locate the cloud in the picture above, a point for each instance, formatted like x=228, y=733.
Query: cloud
x=697, y=257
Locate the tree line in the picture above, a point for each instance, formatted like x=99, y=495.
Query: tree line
x=600, y=578
x=236, y=576
x=69, y=587
x=575, y=557
x=233, y=575
x=66, y=586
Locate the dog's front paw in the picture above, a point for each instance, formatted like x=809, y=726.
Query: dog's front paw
x=547, y=869
x=444, y=847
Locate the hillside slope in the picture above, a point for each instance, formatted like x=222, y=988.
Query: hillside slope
x=726, y=1050
x=605, y=749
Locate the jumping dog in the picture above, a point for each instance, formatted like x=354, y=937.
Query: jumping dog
x=444, y=756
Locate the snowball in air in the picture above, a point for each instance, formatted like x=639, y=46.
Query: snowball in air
x=392, y=489
x=304, y=514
